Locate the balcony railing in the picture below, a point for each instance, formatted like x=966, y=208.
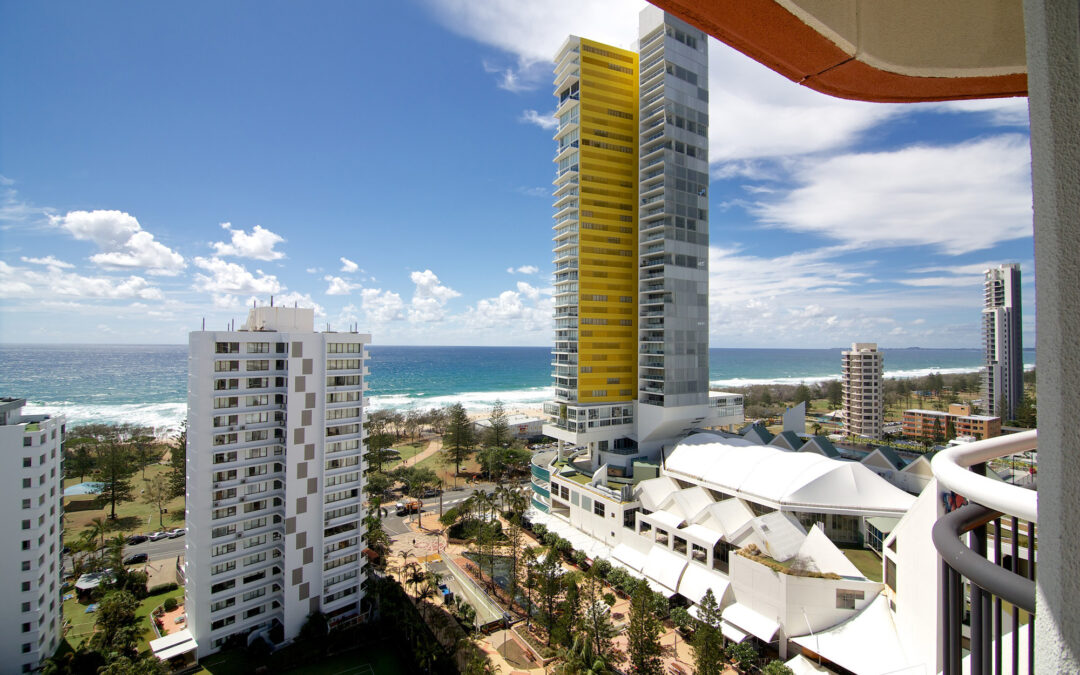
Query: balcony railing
x=1000, y=515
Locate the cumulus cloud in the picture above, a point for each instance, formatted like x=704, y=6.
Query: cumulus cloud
x=527, y=309
x=339, y=286
x=259, y=244
x=297, y=299
x=547, y=121
x=382, y=306
x=55, y=281
x=348, y=266
x=524, y=269
x=430, y=297
x=958, y=198
x=123, y=242
x=48, y=261
x=226, y=277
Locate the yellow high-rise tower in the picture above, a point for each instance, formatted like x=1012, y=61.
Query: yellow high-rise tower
x=596, y=242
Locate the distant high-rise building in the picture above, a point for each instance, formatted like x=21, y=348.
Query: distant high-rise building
x=631, y=356
x=861, y=371
x=275, y=475
x=1003, y=379
x=30, y=457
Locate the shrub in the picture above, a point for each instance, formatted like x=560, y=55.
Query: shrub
x=683, y=621
x=170, y=604
x=550, y=539
x=777, y=667
x=609, y=599
x=161, y=588
x=602, y=567
x=579, y=558
x=743, y=654
x=540, y=530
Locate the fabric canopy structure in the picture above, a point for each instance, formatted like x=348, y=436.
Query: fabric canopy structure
x=665, y=567
x=174, y=644
x=783, y=479
x=867, y=643
x=696, y=580
x=732, y=633
x=746, y=619
x=630, y=556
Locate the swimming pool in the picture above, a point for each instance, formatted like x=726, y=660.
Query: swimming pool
x=89, y=488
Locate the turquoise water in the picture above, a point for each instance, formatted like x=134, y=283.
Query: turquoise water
x=147, y=384
x=89, y=488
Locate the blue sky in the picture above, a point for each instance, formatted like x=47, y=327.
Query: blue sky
x=391, y=166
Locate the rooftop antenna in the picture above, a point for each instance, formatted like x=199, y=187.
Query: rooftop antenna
x=254, y=303
x=271, y=301
x=204, y=323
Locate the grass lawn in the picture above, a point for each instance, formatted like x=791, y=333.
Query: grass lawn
x=866, y=560
x=82, y=624
x=408, y=451
x=131, y=517
x=445, y=471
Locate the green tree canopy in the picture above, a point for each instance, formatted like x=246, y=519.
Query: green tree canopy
x=643, y=633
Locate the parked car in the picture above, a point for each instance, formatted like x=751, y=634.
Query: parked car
x=154, y=536
x=432, y=492
x=136, y=558
x=136, y=539
x=178, y=532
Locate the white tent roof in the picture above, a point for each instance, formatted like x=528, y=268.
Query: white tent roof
x=800, y=665
x=698, y=579
x=655, y=491
x=867, y=643
x=746, y=619
x=826, y=557
x=727, y=517
x=780, y=533
x=689, y=502
x=664, y=567
x=732, y=633
x=701, y=535
x=632, y=553
x=770, y=475
x=664, y=519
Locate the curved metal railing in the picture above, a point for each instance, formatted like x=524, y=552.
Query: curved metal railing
x=980, y=578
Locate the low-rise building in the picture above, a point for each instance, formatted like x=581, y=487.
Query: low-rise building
x=518, y=426
x=958, y=421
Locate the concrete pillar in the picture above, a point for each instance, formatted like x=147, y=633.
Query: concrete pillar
x=1052, y=29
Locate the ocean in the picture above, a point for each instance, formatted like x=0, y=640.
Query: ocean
x=147, y=384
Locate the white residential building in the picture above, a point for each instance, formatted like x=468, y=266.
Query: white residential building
x=31, y=457
x=863, y=403
x=1003, y=379
x=275, y=468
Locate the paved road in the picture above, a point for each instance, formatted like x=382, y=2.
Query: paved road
x=156, y=550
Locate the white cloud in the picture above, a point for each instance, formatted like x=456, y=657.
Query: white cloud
x=524, y=269
x=123, y=242
x=547, y=121
x=314, y=270
x=430, y=297
x=339, y=286
x=959, y=281
x=1006, y=112
x=528, y=290
x=959, y=198
x=55, y=281
x=527, y=309
x=258, y=245
x=382, y=306
x=348, y=266
x=226, y=277
x=296, y=299
x=48, y=261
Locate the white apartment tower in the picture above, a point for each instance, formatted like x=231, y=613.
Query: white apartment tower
x=863, y=399
x=31, y=457
x=1003, y=378
x=275, y=468
x=631, y=360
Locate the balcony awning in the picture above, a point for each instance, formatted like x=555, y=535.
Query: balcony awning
x=664, y=567
x=629, y=557
x=696, y=580
x=758, y=625
x=865, y=643
x=731, y=632
x=173, y=645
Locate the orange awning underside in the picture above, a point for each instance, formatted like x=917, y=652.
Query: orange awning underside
x=776, y=38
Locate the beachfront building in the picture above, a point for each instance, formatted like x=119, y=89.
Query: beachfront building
x=275, y=468
x=630, y=361
x=30, y=447
x=1003, y=379
x=517, y=426
x=863, y=395
x=958, y=422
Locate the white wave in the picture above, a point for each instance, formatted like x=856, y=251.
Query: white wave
x=472, y=401
x=163, y=418
x=815, y=379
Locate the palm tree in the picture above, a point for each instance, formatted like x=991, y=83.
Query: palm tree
x=426, y=652
x=98, y=527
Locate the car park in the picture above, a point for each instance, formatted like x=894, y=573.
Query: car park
x=136, y=558
x=136, y=539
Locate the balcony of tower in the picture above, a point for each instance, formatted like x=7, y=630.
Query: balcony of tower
x=567, y=73
x=566, y=212
x=564, y=149
x=565, y=194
